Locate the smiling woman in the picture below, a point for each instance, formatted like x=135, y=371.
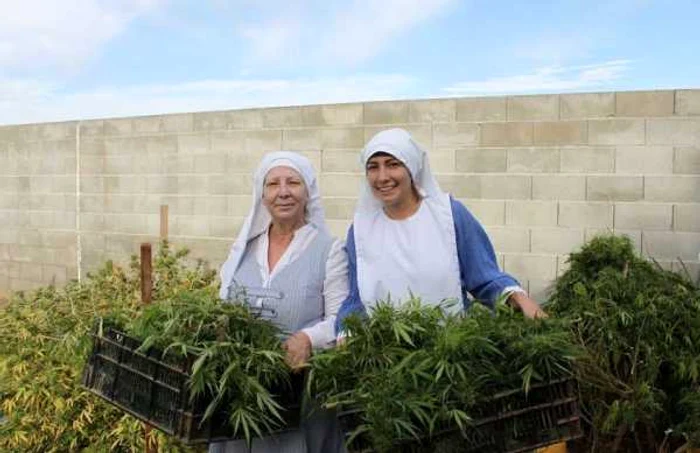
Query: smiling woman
x=284, y=247
x=409, y=238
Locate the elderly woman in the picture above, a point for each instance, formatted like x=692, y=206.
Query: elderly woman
x=410, y=238
x=284, y=246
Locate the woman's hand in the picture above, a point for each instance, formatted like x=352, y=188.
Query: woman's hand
x=529, y=307
x=298, y=348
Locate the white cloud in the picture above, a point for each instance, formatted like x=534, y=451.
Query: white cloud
x=366, y=27
x=548, y=79
x=334, y=32
x=46, y=103
x=62, y=34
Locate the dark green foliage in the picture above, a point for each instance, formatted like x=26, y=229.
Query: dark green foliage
x=415, y=371
x=236, y=357
x=640, y=328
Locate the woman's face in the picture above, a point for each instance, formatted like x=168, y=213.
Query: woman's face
x=389, y=179
x=285, y=194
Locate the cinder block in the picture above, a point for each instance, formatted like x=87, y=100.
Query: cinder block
x=481, y=160
x=585, y=214
x=282, y=117
x=533, y=108
x=210, y=121
x=339, y=208
x=672, y=188
x=421, y=133
x=17, y=284
x=92, y=184
x=644, y=103
x=31, y=272
x=531, y=213
x=146, y=124
x=561, y=132
x=341, y=160
x=533, y=160
x=616, y=132
x=59, y=131
x=531, y=266
x=686, y=217
x=644, y=216
x=159, y=184
x=119, y=126
x=442, y=160
x=92, y=222
x=687, y=160
x=54, y=275
x=166, y=145
x=125, y=184
x=614, y=188
x=455, y=134
x=673, y=131
x=116, y=203
x=487, y=212
x=223, y=227
x=332, y=115
x=687, y=102
x=92, y=241
x=434, y=110
x=91, y=128
x=244, y=119
x=117, y=165
x=126, y=145
x=481, y=109
x=212, y=206
x=214, y=163
x=178, y=123
x=339, y=228
x=556, y=240
x=391, y=112
x=671, y=245
x=587, y=105
x=500, y=187
x=201, y=185
x=239, y=205
x=341, y=184
x=342, y=137
x=301, y=138
x=509, y=240
x=644, y=159
x=63, y=184
x=40, y=184
x=511, y=134
x=232, y=184
x=587, y=159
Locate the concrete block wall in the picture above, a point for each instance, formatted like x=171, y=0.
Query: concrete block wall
x=543, y=173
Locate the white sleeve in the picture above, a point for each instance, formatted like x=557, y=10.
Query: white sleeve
x=335, y=291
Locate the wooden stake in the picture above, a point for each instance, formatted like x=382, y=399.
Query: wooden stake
x=146, y=293
x=146, y=270
x=164, y=221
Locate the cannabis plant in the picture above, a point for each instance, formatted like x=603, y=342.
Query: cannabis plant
x=639, y=326
x=409, y=374
x=236, y=357
x=44, y=340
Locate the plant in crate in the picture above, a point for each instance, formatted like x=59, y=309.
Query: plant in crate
x=639, y=327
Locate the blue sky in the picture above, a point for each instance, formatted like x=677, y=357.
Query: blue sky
x=76, y=59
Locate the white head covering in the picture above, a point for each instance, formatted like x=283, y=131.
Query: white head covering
x=399, y=144
x=259, y=218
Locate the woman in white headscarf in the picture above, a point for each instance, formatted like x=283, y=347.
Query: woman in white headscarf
x=410, y=238
x=284, y=247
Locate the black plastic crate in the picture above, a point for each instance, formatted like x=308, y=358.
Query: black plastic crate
x=154, y=389
x=509, y=422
